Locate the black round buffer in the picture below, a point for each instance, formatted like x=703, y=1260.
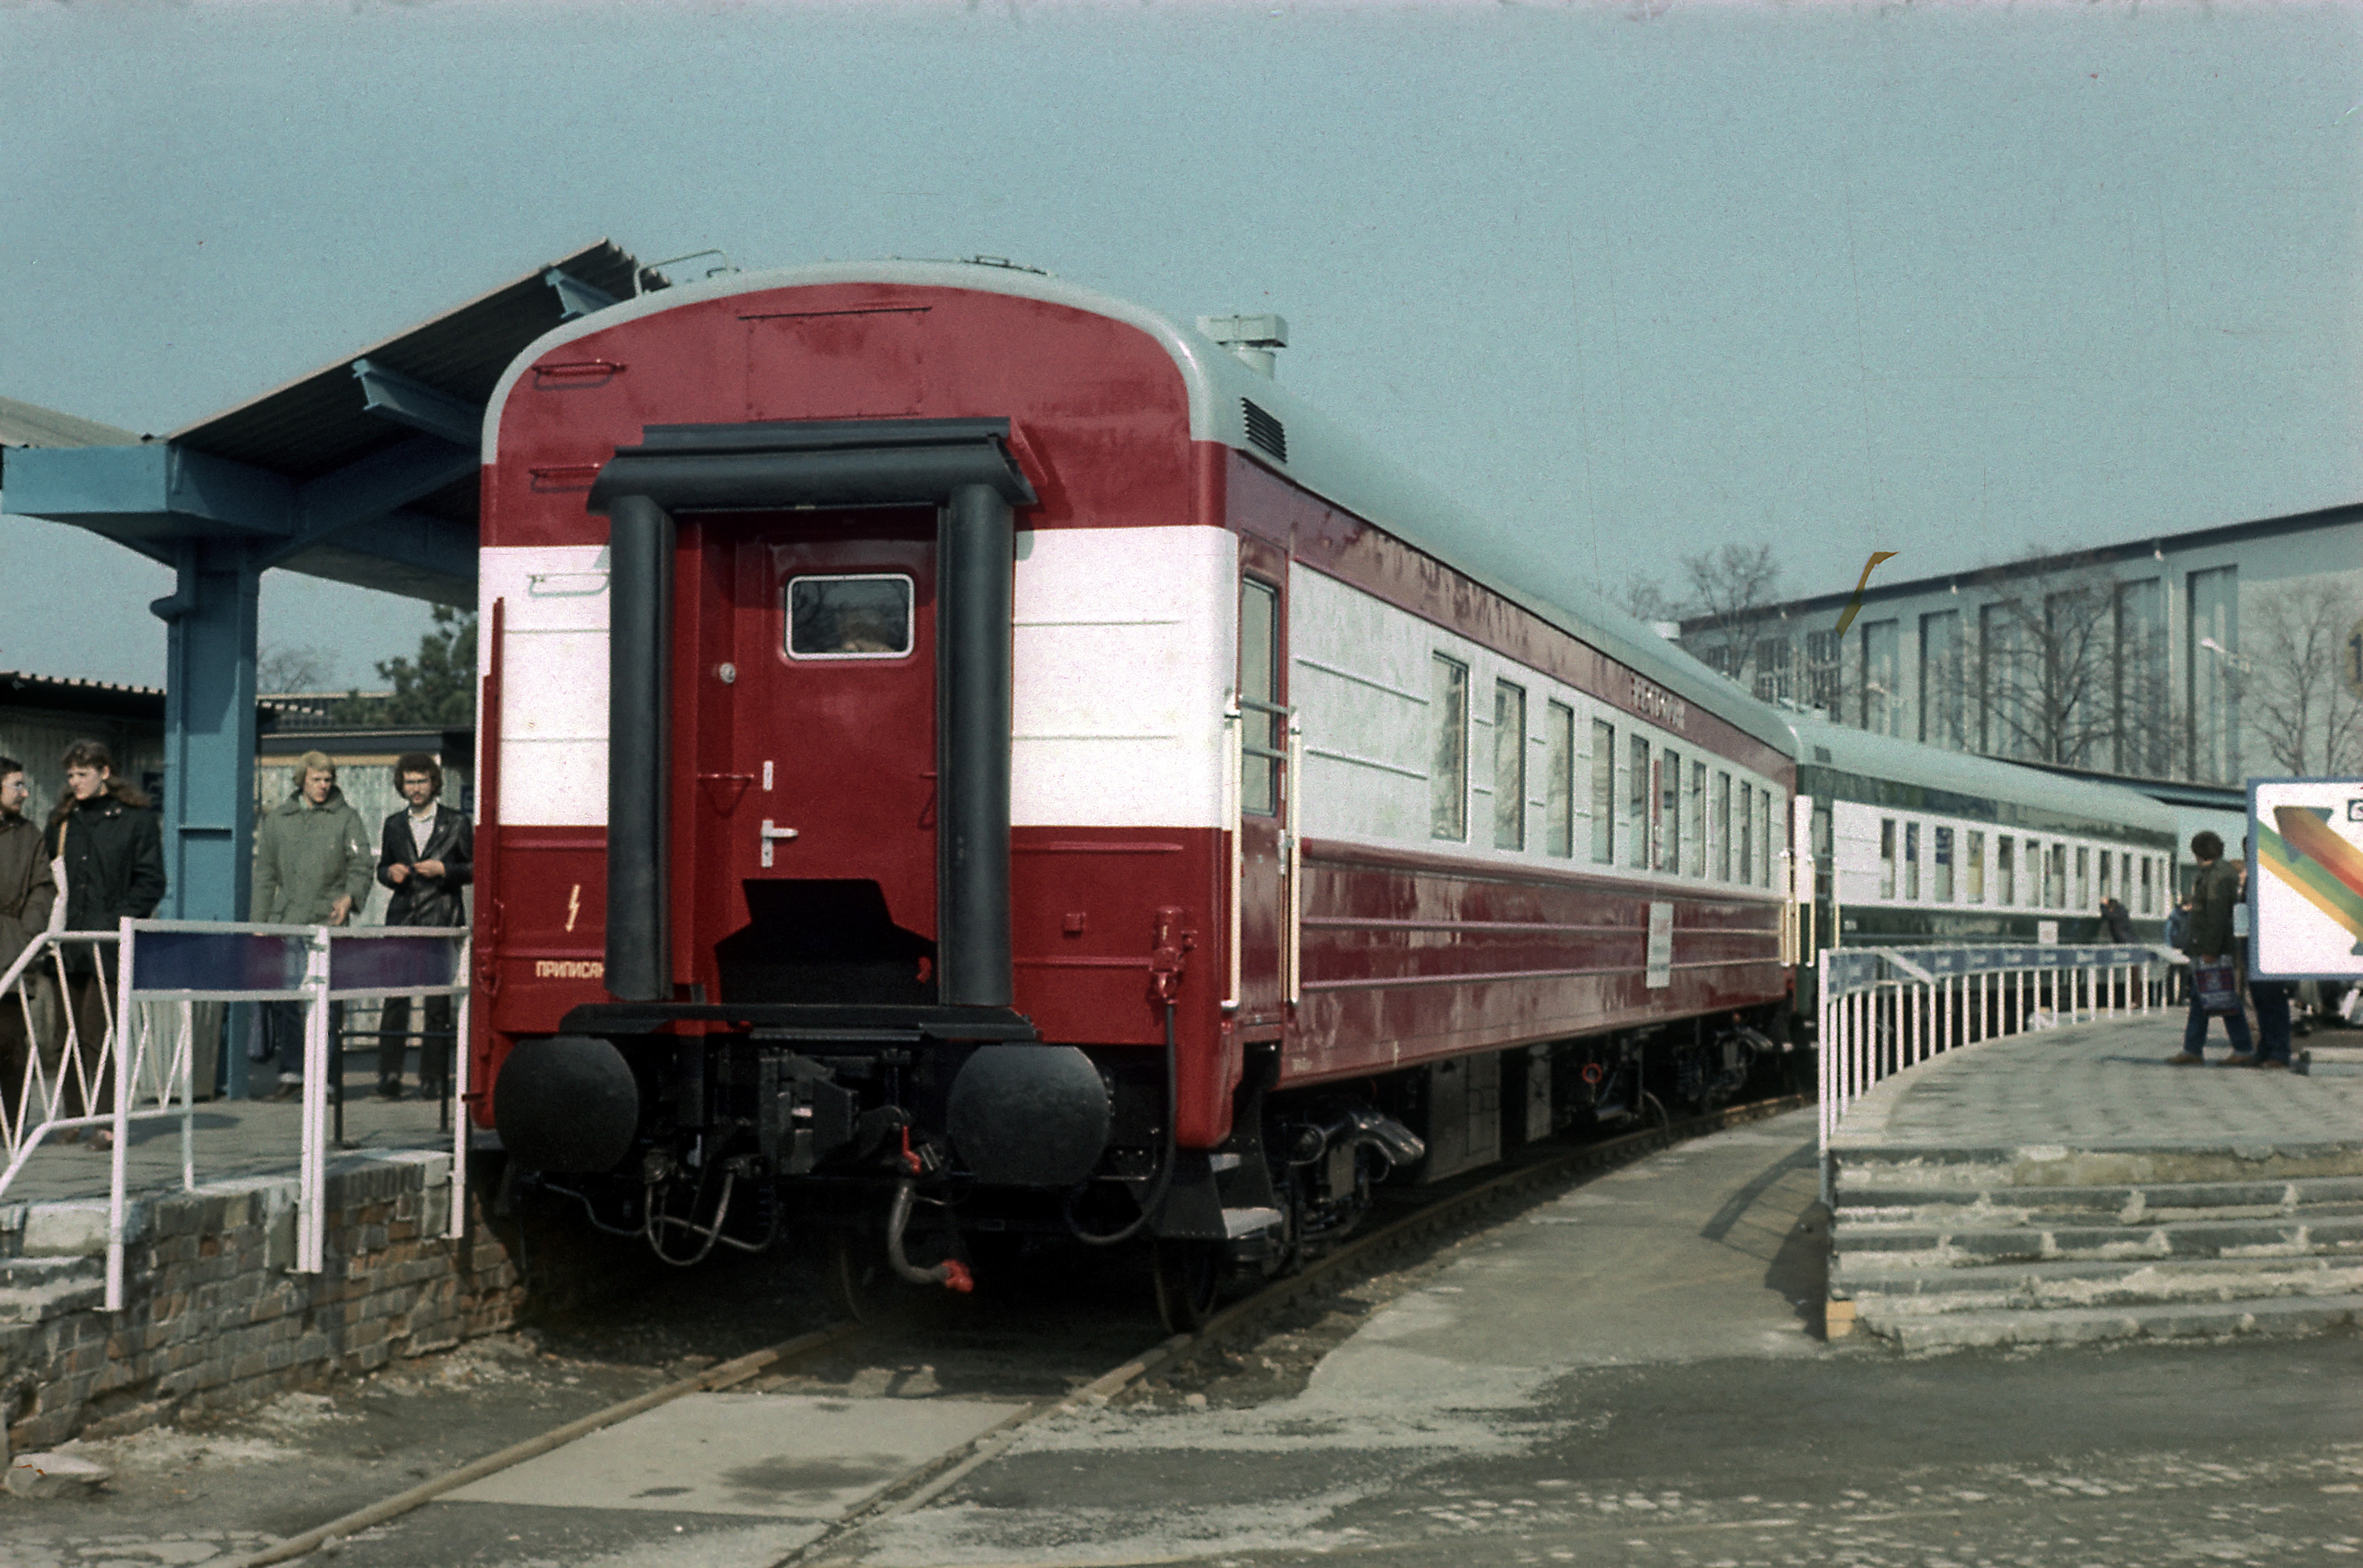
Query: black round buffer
x=568, y=1103
x=1029, y=1115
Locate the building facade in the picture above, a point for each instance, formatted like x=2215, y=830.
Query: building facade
x=2205, y=656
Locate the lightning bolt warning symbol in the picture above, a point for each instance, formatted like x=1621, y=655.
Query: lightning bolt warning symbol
x=573, y=905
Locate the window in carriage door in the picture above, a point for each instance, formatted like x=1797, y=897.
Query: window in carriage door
x=1973, y=865
x=2058, y=883
x=1912, y=859
x=2108, y=878
x=1721, y=821
x=2144, y=884
x=2005, y=871
x=1603, y=791
x=1259, y=720
x=864, y=615
x=2083, y=877
x=1887, y=857
x=1765, y=858
x=1940, y=869
x=1640, y=796
x=1509, y=766
x=1447, y=768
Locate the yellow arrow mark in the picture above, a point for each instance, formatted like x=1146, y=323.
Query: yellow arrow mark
x=1847, y=620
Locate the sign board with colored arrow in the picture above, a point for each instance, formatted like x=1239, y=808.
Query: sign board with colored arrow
x=2305, y=889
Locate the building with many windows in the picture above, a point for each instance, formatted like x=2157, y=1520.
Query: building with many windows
x=2207, y=656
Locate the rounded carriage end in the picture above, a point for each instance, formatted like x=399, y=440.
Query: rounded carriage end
x=1028, y=1116
x=568, y=1103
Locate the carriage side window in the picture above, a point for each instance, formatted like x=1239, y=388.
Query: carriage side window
x=1509, y=766
x=855, y=616
x=1974, y=867
x=1940, y=872
x=1603, y=791
x=1669, y=812
x=1696, y=825
x=1558, y=788
x=1912, y=859
x=1887, y=857
x=1764, y=847
x=2144, y=884
x=1259, y=685
x=1720, y=804
x=2056, y=885
x=2005, y=872
x=1643, y=798
x=1447, y=769
x=1746, y=828
x=2083, y=877
x=2108, y=881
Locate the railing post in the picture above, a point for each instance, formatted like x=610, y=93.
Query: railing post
x=311, y=1222
x=116, y=1051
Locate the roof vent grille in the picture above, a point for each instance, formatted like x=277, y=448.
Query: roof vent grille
x=1264, y=430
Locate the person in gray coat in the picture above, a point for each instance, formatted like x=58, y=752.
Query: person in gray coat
x=312, y=867
x=27, y=892
x=2212, y=898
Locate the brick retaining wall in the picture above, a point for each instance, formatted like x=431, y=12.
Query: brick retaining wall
x=214, y=1319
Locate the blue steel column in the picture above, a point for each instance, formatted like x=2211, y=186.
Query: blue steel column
x=209, y=744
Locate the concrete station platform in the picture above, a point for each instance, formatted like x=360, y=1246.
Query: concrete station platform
x=2071, y=1184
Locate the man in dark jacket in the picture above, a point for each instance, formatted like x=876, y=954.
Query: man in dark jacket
x=426, y=855
x=2210, y=941
x=114, y=855
x=27, y=893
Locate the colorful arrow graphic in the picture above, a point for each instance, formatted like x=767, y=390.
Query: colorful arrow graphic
x=2323, y=868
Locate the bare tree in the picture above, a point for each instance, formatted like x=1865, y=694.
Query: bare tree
x=2291, y=679
x=1733, y=592
x=287, y=667
x=1645, y=599
x=2046, y=663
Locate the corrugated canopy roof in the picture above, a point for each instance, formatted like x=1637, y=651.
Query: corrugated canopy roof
x=30, y=425
x=321, y=422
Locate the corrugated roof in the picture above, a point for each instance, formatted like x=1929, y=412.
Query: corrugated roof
x=319, y=422
x=30, y=425
x=72, y=694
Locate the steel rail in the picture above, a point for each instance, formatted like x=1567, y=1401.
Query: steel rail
x=924, y=1483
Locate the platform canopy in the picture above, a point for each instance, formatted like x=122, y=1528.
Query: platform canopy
x=363, y=472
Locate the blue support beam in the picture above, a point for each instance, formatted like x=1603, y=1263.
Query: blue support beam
x=209, y=730
x=575, y=296
x=390, y=394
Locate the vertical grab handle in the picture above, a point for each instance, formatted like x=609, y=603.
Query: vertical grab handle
x=1235, y=747
x=1291, y=782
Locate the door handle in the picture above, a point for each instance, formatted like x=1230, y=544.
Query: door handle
x=770, y=835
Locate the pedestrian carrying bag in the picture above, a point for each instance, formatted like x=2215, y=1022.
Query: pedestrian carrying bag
x=2212, y=984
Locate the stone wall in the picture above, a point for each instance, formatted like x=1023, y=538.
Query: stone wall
x=213, y=1319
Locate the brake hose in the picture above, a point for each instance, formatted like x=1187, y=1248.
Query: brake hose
x=1156, y=1199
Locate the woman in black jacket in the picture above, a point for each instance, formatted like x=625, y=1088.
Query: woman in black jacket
x=114, y=855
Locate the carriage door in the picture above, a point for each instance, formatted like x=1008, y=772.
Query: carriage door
x=1263, y=924
x=815, y=798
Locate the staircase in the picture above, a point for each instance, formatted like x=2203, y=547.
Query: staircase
x=1939, y=1248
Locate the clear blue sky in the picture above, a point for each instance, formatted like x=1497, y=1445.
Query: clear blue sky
x=1638, y=279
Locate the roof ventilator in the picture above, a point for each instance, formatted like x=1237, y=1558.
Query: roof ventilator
x=1264, y=430
x=1252, y=338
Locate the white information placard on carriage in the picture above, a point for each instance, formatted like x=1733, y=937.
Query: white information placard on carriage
x=2305, y=882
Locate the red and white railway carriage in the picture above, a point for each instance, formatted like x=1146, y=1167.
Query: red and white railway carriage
x=931, y=704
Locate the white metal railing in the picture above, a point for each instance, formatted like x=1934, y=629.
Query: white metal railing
x=144, y=1069
x=1881, y=1011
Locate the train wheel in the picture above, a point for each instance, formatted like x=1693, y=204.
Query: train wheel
x=1188, y=1276
x=855, y=1267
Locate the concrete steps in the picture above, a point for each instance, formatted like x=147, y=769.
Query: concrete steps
x=1937, y=1249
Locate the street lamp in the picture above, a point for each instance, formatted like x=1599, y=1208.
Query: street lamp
x=2225, y=654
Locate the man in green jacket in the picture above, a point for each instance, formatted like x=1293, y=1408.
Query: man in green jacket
x=312, y=866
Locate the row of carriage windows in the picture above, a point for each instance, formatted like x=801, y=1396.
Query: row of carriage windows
x=2026, y=871
x=1684, y=818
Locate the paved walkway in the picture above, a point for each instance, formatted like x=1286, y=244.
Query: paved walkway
x=234, y=1139
x=2108, y=1086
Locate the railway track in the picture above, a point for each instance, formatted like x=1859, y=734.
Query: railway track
x=1459, y=1207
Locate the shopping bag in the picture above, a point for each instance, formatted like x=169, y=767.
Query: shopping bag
x=2213, y=985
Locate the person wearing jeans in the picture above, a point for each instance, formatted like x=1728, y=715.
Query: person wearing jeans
x=2210, y=941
